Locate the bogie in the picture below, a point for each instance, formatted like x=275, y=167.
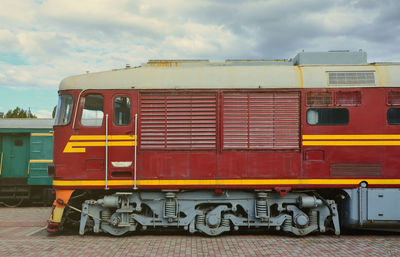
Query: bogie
x=205, y=212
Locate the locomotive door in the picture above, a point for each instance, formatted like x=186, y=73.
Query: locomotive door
x=121, y=131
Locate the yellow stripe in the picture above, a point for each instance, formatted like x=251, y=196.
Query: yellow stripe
x=77, y=147
x=225, y=182
x=40, y=161
x=354, y=143
x=102, y=137
x=349, y=137
x=42, y=134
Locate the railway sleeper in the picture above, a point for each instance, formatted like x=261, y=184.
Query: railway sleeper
x=209, y=213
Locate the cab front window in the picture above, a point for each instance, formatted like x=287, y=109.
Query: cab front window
x=64, y=110
x=93, y=110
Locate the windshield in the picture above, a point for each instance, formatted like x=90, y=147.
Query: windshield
x=64, y=110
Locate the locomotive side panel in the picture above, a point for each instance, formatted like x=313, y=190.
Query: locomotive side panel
x=354, y=145
x=177, y=135
x=188, y=135
x=260, y=134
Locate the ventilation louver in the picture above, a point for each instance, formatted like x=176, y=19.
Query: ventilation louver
x=351, y=78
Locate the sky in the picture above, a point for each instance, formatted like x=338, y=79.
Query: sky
x=44, y=41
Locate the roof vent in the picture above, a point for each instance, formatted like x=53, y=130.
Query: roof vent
x=342, y=57
x=351, y=78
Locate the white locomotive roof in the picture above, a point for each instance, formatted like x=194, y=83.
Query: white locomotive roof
x=232, y=74
x=26, y=123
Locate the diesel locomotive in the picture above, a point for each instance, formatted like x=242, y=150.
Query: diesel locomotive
x=305, y=145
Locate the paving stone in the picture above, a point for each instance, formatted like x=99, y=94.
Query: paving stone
x=22, y=233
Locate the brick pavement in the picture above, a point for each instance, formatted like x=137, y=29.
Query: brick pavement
x=22, y=234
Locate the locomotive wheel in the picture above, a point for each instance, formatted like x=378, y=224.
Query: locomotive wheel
x=12, y=203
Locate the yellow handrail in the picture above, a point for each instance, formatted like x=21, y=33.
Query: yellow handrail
x=1, y=162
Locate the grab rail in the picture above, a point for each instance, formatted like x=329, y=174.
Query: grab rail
x=134, y=165
x=106, y=186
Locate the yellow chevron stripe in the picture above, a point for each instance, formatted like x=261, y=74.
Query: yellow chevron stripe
x=42, y=134
x=76, y=147
x=102, y=137
x=231, y=182
x=40, y=161
x=352, y=143
x=349, y=137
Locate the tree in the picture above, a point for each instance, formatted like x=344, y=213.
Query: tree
x=20, y=113
x=54, y=112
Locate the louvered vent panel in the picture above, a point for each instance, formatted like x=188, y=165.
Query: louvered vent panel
x=394, y=98
x=349, y=78
x=178, y=122
x=348, y=98
x=319, y=98
x=236, y=119
x=261, y=121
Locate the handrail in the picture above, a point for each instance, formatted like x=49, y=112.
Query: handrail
x=106, y=186
x=1, y=163
x=134, y=165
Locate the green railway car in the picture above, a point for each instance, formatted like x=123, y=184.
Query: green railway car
x=26, y=149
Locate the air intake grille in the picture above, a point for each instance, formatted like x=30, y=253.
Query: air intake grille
x=351, y=78
x=266, y=121
x=348, y=98
x=176, y=122
x=319, y=98
x=394, y=98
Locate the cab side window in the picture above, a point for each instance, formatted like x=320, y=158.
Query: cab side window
x=122, y=111
x=93, y=111
x=393, y=116
x=328, y=116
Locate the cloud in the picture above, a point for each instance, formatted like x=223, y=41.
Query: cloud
x=43, y=114
x=41, y=42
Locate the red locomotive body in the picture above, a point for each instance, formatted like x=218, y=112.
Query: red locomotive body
x=213, y=147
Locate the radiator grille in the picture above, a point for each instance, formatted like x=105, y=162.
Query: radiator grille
x=261, y=120
x=319, y=98
x=394, y=98
x=349, y=78
x=348, y=98
x=178, y=121
x=356, y=169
